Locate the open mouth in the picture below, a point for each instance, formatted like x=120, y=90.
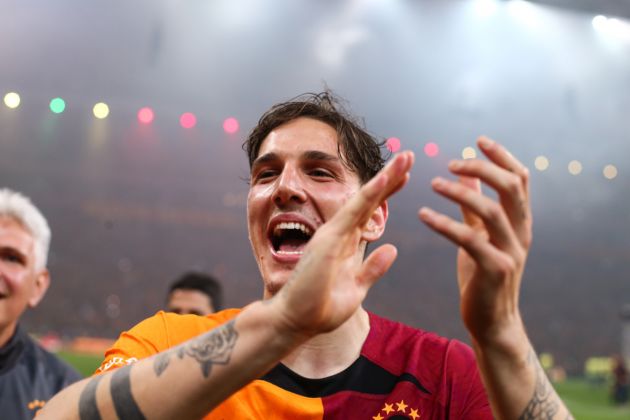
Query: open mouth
x=290, y=238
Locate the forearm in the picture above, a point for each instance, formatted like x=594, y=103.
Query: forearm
x=186, y=381
x=516, y=384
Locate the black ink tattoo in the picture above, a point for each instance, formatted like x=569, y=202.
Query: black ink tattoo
x=544, y=403
x=161, y=362
x=213, y=348
x=120, y=388
x=88, y=410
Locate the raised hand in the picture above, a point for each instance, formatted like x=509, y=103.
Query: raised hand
x=493, y=239
x=331, y=280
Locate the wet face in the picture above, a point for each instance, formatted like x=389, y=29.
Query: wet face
x=185, y=301
x=21, y=285
x=298, y=182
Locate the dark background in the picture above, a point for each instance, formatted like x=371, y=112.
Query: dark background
x=132, y=206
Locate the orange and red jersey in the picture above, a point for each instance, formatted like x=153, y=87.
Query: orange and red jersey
x=402, y=373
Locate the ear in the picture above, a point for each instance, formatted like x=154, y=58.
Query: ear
x=42, y=281
x=376, y=225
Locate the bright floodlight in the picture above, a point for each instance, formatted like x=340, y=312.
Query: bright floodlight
x=469, y=153
x=57, y=105
x=12, y=100
x=599, y=22
x=612, y=27
x=610, y=171
x=101, y=110
x=575, y=167
x=393, y=144
x=541, y=163
x=619, y=28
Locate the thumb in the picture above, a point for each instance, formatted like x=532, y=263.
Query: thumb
x=376, y=265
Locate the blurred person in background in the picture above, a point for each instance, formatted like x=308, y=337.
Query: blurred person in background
x=318, y=195
x=195, y=293
x=29, y=375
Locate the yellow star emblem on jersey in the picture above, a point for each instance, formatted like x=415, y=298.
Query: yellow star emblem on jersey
x=36, y=404
x=401, y=406
x=414, y=414
x=388, y=408
x=378, y=417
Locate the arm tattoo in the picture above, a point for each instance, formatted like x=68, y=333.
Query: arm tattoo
x=88, y=410
x=161, y=362
x=120, y=388
x=212, y=348
x=544, y=403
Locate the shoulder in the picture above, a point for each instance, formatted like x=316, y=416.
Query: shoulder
x=391, y=340
x=447, y=368
x=53, y=369
x=158, y=333
x=170, y=329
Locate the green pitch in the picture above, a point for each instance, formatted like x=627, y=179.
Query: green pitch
x=590, y=401
x=86, y=364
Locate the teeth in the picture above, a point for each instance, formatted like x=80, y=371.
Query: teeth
x=290, y=252
x=291, y=225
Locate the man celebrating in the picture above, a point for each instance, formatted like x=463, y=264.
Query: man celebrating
x=29, y=375
x=317, y=198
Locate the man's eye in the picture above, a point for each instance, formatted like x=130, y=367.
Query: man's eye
x=12, y=258
x=321, y=173
x=262, y=175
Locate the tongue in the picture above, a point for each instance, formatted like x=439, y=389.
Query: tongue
x=291, y=245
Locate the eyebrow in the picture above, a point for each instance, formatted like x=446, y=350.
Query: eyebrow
x=266, y=158
x=309, y=155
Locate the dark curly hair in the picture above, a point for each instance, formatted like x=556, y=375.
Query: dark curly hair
x=203, y=283
x=358, y=150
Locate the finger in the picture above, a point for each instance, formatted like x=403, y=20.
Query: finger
x=470, y=218
x=489, y=211
x=509, y=186
x=376, y=265
x=357, y=210
x=502, y=157
x=482, y=251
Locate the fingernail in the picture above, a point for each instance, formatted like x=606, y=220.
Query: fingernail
x=455, y=164
x=425, y=213
x=437, y=182
x=485, y=141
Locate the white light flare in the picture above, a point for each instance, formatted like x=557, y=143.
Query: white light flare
x=612, y=28
x=525, y=12
x=485, y=8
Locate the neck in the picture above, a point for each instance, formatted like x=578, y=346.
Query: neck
x=6, y=333
x=330, y=353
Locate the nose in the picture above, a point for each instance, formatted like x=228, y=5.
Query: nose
x=289, y=187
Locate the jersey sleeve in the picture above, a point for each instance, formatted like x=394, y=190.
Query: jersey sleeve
x=471, y=400
x=147, y=338
x=158, y=333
